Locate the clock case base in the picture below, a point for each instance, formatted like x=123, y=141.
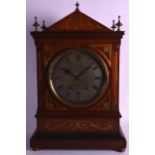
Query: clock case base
x=111, y=141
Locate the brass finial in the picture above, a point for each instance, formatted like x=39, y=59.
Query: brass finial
x=113, y=25
x=36, y=24
x=119, y=24
x=77, y=6
x=43, y=26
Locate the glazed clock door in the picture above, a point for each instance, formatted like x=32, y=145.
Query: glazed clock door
x=77, y=77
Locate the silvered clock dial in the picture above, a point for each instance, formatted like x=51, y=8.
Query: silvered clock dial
x=77, y=77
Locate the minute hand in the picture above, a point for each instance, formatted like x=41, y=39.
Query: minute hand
x=87, y=68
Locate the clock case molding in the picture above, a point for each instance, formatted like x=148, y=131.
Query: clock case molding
x=62, y=127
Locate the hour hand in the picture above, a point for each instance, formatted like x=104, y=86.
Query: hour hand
x=67, y=71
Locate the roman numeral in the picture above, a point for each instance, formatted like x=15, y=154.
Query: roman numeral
x=60, y=87
x=67, y=94
x=69, y=87
x=85, y=87
x=77, y=94
x=98, y=78
x=87, y=60
x=78, y=57
x=95, y=67
x=95, y=87
x=57, y=78
x=67, y=60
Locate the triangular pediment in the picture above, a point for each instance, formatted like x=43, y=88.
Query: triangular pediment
x=78, y=21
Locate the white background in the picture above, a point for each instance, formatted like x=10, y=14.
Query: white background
x=51, y=11
x=13, y=77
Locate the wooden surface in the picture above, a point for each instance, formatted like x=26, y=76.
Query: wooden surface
x=115, y=141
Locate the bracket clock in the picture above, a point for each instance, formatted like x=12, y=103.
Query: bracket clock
x=78, y=84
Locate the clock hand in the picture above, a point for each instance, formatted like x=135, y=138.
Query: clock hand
x=67, y=71
x=85, y=70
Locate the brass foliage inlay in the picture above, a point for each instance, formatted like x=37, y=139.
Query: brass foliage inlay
x=103, y=105
x=105, y=48
x=76, y=124
x=52, y=105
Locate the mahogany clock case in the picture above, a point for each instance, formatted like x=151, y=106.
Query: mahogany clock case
x=60, y=126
